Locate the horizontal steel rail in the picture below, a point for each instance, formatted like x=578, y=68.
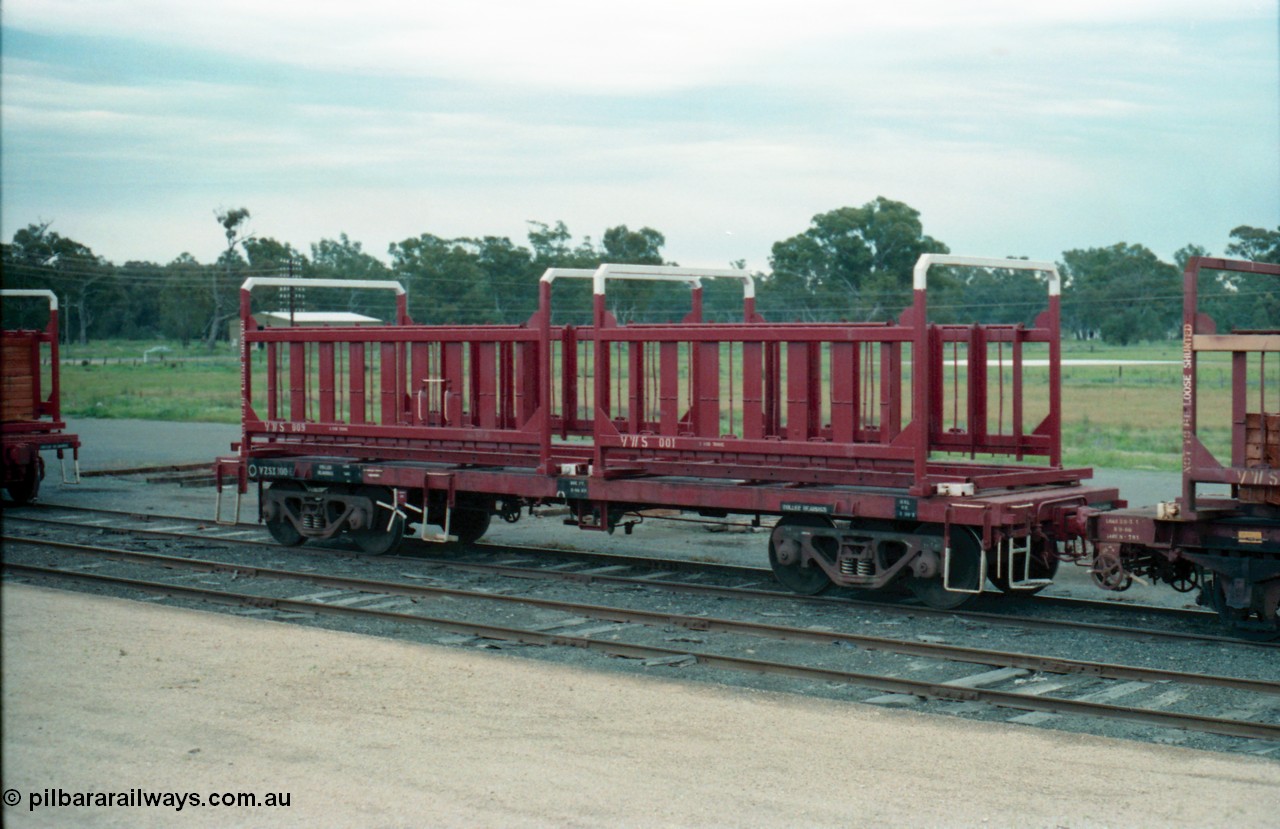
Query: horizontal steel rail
x=927, y=689
x=533, y=572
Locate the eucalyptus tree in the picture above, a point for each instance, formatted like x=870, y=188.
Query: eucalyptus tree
x=851, y=262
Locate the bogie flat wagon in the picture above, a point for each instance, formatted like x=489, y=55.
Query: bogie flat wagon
x=893, y=453
x=32, y=416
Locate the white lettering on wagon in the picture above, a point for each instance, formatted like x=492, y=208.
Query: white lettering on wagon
x=286, y=425
x=642, y=441
x=1257, y=477
x=1188, y=349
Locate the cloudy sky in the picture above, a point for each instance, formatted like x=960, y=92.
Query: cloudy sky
x=1014, y=127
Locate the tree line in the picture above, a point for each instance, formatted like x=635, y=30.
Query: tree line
x=851, y=263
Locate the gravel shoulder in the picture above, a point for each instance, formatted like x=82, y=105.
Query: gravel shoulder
x=103, y=694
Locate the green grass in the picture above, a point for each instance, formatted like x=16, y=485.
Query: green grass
x=208, y=390
x=1126, y=417
x=134, y=350
x=1125, y=446
x=1094, y=350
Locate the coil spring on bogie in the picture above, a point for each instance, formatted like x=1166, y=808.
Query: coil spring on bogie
x=313, y=522
x=856, y=567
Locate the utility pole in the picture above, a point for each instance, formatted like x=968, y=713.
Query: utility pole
x=291, y=295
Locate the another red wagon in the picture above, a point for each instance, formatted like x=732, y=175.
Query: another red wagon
x=1222, y=536
x=31, y=411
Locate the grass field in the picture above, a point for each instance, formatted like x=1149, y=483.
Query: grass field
x=1120, y=416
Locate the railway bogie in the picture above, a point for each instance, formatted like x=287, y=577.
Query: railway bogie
x=375, y=518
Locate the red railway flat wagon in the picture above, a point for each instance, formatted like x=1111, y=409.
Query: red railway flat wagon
x=1226, y=545
x=32, y=418
x=891, y=451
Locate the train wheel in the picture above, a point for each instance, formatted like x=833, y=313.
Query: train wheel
x=386, y=532
x=966, y=573
x=281, y=528
x=807, y=580
x=25, y=491
x=469, y=525
x=1043, y=566
x=1218, y=599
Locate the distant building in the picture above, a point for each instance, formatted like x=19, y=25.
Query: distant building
x=281, y=319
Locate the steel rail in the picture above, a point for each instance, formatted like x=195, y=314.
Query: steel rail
x=884, y=684
x=722, y=590
x=844, y=600
x=955, y=653
x=658, y=562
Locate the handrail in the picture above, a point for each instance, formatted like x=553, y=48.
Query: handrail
x=246, y=288
x=552, y=274
x=33, y=292
x=659, y=273
x=919, y=275
x=289, y=282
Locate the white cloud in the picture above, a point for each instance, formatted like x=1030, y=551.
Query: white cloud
x=578, y=45
x=1014, y=127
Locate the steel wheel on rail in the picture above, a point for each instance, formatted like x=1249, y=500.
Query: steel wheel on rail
x=808, y=580
x=966, y=573
x=1043, y=566
x=386, y=525
x=469, y=525
x=1256, y=624
x=281, y=528
x=24, y=491
x=1218, y=600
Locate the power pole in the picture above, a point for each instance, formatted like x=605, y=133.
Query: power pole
x=292, y=296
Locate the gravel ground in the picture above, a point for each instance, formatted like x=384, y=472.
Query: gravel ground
x=128, y=444
x=339, y=559
x=106, y=695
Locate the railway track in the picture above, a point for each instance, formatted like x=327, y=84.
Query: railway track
x=682, y=575
x=1039, y=689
